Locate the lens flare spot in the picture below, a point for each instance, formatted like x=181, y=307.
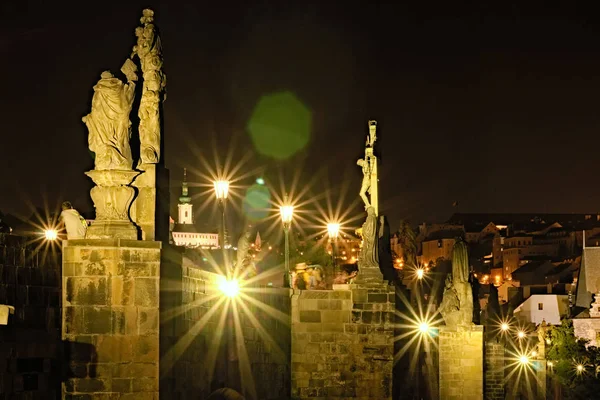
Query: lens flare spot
x=256, y=202
x=280, y=125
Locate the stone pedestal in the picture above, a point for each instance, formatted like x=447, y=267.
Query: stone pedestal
x=112, y=198
x=461, y=363
x=150, y=208
x=110, y=319
x=369, y=276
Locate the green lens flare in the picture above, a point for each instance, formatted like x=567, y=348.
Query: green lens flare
x=280, y=125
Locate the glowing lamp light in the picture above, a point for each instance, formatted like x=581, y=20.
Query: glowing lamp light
x=221, y=189
x=533, y=353
x=548, y=341
x=423, y=327
x=287, y=213
x=51, y=234
x=521, y=334
x=420, y=273
x=333, y=229
x=550, y=364
x=504, y=326
x=229, y=288
x=260, y=181
x=524, y=360
x=580, y=368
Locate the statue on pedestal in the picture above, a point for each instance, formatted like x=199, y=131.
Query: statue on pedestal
x=149, y=51
x=108, y=123
x=457, y=303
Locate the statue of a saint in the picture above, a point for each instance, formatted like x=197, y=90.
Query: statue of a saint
x=108, y=122
x=457, y=303
x=149, y=51
x=365, y=187
x=368, y=251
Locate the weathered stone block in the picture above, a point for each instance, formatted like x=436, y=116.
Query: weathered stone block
x=86, y=291
x=146, y=292
x=359, y=295
x=97, y=320
x=310, y=316
x=377, y=298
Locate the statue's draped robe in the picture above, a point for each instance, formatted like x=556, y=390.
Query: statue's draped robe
x=457, y=303
x=386, y=264
x=108, y=124
x=368, y=252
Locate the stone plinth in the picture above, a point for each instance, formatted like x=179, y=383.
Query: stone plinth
x=461, y=363
x=494, y=370
x=369, y=276
x=112, y=198
x=150, y=208
x=110, y=318
x=343, y=342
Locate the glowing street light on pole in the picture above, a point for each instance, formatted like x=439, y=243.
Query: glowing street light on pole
x=333, y=229
x=420, y=273
x=287, y=213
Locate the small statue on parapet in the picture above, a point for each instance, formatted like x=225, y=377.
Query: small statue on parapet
x=457, y=303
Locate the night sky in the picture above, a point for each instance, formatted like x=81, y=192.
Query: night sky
x=493, y=106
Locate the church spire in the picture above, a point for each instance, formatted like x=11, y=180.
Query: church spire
x=185, y=198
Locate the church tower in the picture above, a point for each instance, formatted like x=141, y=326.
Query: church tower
x=185, y=203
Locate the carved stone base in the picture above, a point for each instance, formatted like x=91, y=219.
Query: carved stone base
x=369, y=275
x=112, y=198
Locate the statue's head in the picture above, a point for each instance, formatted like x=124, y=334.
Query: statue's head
x=66, y=205
x=106, y=75
x=360, y=162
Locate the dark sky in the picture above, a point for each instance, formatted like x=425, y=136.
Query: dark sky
x=489, y=104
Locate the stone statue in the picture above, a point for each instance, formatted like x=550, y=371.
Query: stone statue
x=243, y=249
x=457, y=302
x=108, y=122
x=149, y=51
x=384, y=254
x=366, y=182
x=368, y=251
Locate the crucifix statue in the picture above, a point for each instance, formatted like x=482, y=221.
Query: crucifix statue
x=369, y=169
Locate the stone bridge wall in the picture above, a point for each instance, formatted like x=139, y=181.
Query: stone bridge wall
x=343, y=343
x=30, y=345
x=196, y=331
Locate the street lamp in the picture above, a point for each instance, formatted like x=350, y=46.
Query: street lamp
x=221, y=192
x=333, y=229
x=50, y=234
x=420, y=273
x=287, y=213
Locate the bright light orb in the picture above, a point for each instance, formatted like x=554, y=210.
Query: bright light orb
x=550, y=364
x=579, y=368
x=504, y=326
x=51, y=234
x=221, y=189
x=229, y=288
x=423, y=327
x=333, y=229
x=521, y=334
x=287, y=213
x=420, y=273
x=533, y=353
x=524, y=360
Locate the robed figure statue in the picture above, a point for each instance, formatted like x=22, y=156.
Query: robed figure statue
x=457, y=303
x=108, y=122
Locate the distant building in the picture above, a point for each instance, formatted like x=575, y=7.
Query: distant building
x=184, y=232
x=543, y=307
x=586, y=322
